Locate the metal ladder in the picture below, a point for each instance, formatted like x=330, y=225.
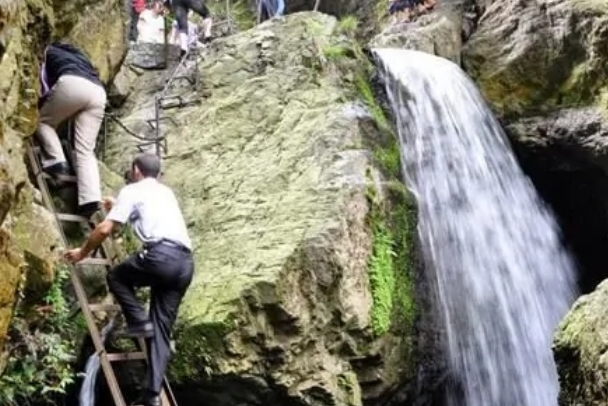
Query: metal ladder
x=102, y=257
x=164, y=101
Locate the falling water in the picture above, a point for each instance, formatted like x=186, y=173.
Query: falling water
x=87, y=390
x=504, y=279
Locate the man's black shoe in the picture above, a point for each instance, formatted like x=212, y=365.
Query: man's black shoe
x=147, y=401
x=207, y=40
x=182, y=53
x=87, y=209
x=60, y=168
x=144, y=330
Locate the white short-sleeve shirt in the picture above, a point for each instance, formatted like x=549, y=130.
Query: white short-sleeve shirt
x=153, y=211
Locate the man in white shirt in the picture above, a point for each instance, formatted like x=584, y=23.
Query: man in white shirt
x=165, y=263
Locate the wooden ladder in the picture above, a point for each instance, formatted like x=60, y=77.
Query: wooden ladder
x=101, y=258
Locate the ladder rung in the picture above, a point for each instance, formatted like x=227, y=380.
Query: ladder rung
x=37, y=150
x=72, y=217
x=95, y=261
x=126, y=356
x=104, y=307
x=60, y=178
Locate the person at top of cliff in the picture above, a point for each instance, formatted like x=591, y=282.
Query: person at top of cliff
x=405, y=10
x=137, y=7
x=401, y=10
x=192, y=34
x=181, y=8
x=429, y=4
x=270, y=8
x=71, y=89
x=151, y=24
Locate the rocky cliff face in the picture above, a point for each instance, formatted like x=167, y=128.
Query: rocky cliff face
x=537, y=56
x=579, y=349
x=28, y=239
x=283, y=173
x=543, y=67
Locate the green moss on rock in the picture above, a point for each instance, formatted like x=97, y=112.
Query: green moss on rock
x=579, y=350
x=204, y=342
x=561, y=65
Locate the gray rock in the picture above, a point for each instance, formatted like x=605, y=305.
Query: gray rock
x=273, y=176
x=531, y=56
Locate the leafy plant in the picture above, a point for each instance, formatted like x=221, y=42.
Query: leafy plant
x=335, y=51
x=382, y=278
x=41, y=351
x=348, y=26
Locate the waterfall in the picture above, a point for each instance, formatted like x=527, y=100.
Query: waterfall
x=490, y=245
x=87, y=390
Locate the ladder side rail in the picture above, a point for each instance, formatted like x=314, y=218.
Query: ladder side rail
x=77, y=284
x=167, y=397
x=169, y=392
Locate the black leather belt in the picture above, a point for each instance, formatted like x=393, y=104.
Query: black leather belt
x=167, y=243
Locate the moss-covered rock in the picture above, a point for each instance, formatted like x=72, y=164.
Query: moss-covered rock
x=279, y=174
x=29, y=238
x=536, y=56
x=372, y=15
x=438, y=33
x=580, y=347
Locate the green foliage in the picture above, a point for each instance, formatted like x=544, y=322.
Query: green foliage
x=196, y=346
x=335, y=51
x=403, y=218
x=389, y=159
x=40, y=351
x=390, y=265
x=381, y=10
x=367, y=96
x=382, y=277
x=348, y=26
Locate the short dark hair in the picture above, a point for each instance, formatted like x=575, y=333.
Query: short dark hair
x=148, y=165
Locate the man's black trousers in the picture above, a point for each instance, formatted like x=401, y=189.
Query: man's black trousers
x=181, y=8
x=168, y=270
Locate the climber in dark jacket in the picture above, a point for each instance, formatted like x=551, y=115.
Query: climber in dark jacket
x=71, y=89
x=181, y=8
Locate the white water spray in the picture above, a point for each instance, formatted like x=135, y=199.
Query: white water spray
x=504, y=278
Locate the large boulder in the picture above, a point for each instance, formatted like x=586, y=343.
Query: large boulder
x=439, y=32
x=531, y=56
x=580, y=351
x=297, y=296
x=28, y=238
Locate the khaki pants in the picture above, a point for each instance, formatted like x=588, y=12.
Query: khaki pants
x=84, y=102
